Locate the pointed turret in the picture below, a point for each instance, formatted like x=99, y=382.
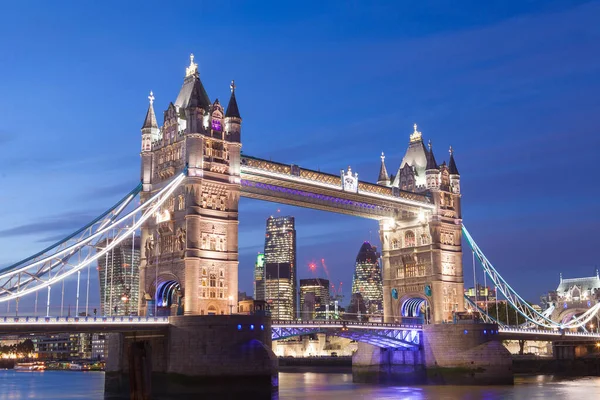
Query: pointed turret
x=232, y=107
x=384, y=178
x=233, y=121
x=452, y=164
x=431, y=164
x=454, y=175
x=432, y=173
x=150, y=121
x=192, y=93
x=150, y=129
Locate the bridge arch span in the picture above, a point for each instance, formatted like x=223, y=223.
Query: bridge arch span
x=165, y=296
x=414, y=308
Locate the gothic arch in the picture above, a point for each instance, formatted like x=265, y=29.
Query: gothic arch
x=414, y=305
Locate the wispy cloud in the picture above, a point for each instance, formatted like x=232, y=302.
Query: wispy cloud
x=60, y=223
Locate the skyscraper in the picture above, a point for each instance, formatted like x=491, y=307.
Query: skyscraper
x=314, y=293
x=367, y=279
x=259, y=277
x=280, y=267
x=118, y=272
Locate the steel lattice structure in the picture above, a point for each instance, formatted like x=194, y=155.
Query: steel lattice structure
x=533, y=317
x=389, y=336
x=78, y=250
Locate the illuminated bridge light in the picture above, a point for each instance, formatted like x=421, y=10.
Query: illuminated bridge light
x=239, y=327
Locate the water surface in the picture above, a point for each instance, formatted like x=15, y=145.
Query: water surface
x=65, y=385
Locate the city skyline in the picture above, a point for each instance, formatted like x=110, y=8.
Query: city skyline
x=550, y=120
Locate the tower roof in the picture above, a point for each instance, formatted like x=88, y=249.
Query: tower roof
x=452, y=164
x=367, y=253
x=431, y=164
x=383, y=174
x=192, y=93
x=150, y=121
x=232, y=107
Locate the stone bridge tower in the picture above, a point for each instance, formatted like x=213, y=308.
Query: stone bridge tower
x=189, y=262
x=422, y=253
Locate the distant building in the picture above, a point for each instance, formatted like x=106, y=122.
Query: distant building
x=53, y=347
x=99, y=347
x=367, y=281
x=314, y=294
x=259, y=277
x=252, y=307
x=119, y=276
x=480, y=296
x=280, y=267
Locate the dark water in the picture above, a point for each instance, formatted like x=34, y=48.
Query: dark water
x=63, y=385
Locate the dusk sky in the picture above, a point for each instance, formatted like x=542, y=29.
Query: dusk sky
x=513, y=86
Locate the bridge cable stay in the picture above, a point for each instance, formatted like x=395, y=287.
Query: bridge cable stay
x=486, y=317
x=125, y=199
x=35, y=273
x=520, y=305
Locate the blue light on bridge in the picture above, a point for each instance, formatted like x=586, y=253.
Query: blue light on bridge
x=466, y=331
x=262, y=327
x=239, y=327
x=251, y=327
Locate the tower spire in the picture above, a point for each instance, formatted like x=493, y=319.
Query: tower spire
x=416, y=136
x=384, y=178
x=232, y=107
x=452, y=164
x=150, y=120
x=431, y=164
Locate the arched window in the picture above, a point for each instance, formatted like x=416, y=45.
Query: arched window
x=394, y=244
x=213, y=280
x=409, y=239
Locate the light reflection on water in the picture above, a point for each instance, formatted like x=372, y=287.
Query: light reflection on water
x=66, y=385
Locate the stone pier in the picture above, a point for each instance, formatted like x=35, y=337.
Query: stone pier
x=470, y=354
x=197, y=355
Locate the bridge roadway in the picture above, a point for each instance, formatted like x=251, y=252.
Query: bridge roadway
x=381, y=334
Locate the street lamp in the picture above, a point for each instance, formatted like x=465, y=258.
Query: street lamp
x=125, y=300
x=230, y=305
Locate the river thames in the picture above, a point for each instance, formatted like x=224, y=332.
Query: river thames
x=63, y=385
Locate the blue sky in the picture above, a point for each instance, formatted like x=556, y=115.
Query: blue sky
x=511, y=85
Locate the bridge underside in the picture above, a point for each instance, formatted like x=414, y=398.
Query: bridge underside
x=290, y=184
x=384, y=338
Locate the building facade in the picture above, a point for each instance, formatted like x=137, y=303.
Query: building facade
x=190, y=259
x=280, y=267
x=119, y=276
x=259, y=277
x=367, y=281
x=314, y=295
x=422, y=252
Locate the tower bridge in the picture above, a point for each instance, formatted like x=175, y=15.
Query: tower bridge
x=193, y=175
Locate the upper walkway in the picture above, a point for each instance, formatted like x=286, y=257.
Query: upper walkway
x=290, y=184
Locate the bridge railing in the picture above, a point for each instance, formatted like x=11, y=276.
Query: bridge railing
x=548, y=332
x=83, y=320
x=346, y=323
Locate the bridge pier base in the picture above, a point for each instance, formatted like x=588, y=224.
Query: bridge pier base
x=470, y=354
x=196, y=355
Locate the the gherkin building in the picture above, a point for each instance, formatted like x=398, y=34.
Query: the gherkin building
x=367, y=279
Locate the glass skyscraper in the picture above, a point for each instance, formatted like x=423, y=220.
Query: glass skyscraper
x=119, y=275
x=280, y=267
x=367, y=279
x=314, y=294
x=259, y=277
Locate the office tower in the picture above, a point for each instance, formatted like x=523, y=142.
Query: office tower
x=118, y=272
x=259, y=277
x=314, y=294
x=367, y=279
x=280, y=267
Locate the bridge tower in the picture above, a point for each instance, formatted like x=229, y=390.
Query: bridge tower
x=422, y=252
x=189, y=261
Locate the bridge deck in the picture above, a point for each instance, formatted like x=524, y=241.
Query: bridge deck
x=10, y=325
